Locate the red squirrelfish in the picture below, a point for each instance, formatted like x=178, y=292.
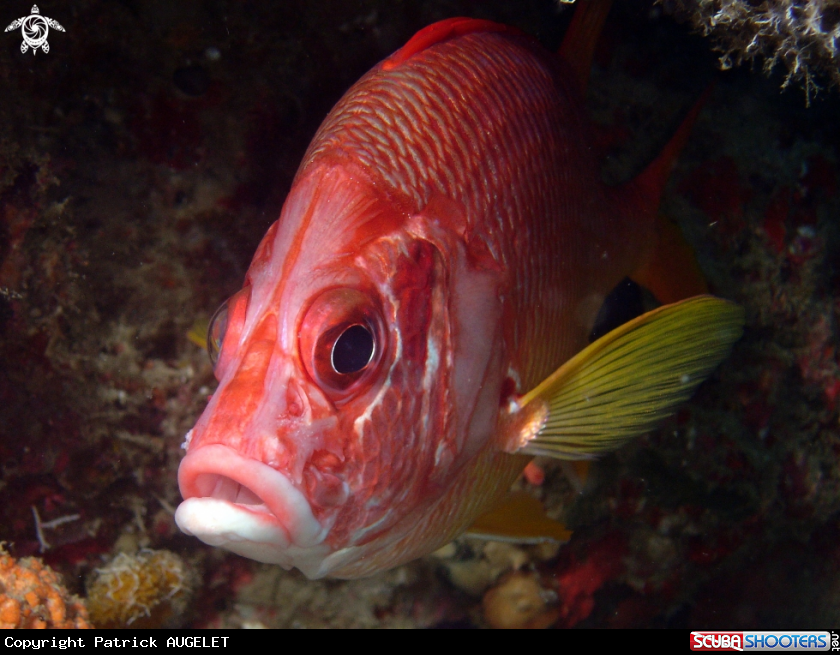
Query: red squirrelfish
x=414, y=327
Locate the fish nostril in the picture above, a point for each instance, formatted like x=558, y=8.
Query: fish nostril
x=295, y=400
x=212, y=485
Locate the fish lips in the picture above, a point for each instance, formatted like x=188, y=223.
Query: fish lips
x=247, y=507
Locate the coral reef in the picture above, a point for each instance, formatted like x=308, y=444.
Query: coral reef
x=518, y=601
x=804, y=37
x=143, y=158
x=33, y=596
x=148, y=590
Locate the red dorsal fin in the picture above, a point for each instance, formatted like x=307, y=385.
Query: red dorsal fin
x=578, y=46
x=443, y=31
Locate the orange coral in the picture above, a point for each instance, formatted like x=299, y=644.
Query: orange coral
x=32, y=596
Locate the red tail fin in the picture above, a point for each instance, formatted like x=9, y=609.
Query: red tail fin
x=670, y=272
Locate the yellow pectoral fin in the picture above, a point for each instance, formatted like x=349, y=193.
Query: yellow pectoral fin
x=624, y=383
x=520, y=518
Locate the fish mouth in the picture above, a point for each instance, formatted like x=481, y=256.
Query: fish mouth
x=248, y=507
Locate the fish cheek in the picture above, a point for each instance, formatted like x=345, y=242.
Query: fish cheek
x=420, y=400
x=391, y=430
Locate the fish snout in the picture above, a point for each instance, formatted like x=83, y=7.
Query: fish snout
x=248, y=507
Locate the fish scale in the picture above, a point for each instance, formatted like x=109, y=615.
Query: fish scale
x=448, y=209
x=508, y=144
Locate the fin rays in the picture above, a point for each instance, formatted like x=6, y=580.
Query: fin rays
x=623, y=384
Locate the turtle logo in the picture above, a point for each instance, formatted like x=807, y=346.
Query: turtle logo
x=34, y=29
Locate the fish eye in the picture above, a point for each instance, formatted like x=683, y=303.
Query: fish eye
x=229, y=318
x=342, y=340
x=353, y=350
x=216, y=332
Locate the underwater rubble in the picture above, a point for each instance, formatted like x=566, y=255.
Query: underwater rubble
x=143, y=158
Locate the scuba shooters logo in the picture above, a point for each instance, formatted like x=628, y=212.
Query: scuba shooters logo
x=34, y=29
x=799, y=640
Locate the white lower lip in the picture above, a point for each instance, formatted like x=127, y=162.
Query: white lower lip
x=210, y=512
x=227, y=525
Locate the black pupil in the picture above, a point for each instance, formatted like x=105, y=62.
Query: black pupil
x=352, y=350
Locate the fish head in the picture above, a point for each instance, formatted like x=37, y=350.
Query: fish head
x=342, y=412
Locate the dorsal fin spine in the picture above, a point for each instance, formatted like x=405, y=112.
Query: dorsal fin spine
x=669, y=268
x=650, y=183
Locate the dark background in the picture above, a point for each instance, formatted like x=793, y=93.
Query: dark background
x=143, y=158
